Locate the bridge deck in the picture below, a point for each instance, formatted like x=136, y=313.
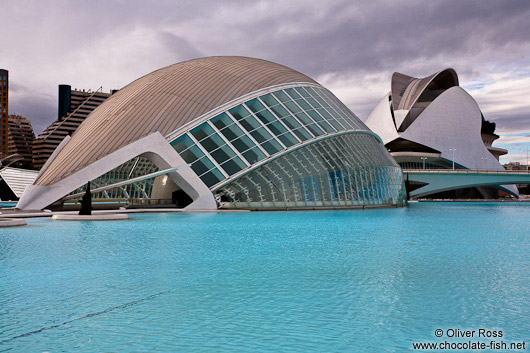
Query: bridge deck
x=438, y=180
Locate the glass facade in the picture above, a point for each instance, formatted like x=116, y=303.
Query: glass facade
x=343, y=170
x=333, y=159
x=262, y=127
x=133, y=168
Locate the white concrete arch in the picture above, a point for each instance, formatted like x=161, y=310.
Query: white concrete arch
x=153, y=147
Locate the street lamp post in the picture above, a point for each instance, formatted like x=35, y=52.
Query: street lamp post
x=527, y=160
x=453, y=150
x=423, y=158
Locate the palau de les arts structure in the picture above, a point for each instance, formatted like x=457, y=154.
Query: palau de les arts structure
x=245, y=133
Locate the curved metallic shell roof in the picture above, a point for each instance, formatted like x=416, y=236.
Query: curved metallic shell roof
x=407, y=89
x=163, y=101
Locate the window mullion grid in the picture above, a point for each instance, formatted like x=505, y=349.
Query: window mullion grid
x=323, y=117
x=278, y=118
x=228, y=143
x=265, y=127
x=309, y=115
x=217, y=148
x=344, y=113
x=247, y=133
x=332, y=106
x=207, y=155
x=294, y=116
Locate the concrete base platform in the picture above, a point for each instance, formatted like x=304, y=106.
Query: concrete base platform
x=94, y=217
x=11, y=222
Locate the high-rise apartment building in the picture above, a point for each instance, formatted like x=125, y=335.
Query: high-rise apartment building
x=74, y=107
x=4, y=88
x=20, y=140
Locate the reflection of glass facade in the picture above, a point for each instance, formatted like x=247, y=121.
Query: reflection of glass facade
x=343, y=170
x=261, y=127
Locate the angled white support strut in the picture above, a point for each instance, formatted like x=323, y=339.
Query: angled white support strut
x=153, y=147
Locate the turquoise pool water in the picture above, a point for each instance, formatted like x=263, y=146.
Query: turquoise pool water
x=319, y=281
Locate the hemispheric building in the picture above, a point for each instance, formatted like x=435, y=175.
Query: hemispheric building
x=432, y=123
x=222, y=132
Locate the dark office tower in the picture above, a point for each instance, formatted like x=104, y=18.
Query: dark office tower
x=4, y=88
x=20, y=141
x=74, y=107
x=64, y=101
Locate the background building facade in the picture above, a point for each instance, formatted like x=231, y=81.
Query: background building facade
x=21, y=137
x=432, y=123
x=74, y=107
x=4, y=110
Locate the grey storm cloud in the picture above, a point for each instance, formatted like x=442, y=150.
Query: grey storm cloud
x=180, y=46
x=354, y=46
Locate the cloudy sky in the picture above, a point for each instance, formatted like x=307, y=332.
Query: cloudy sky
x=351, y=47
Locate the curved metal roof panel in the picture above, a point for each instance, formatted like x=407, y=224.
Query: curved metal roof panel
x=406, y=89
x=163, y=101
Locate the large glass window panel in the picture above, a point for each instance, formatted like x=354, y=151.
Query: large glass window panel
x=287, y=118
x=222, y=154
x=212, y=177
x=313, y=102
x=202, y=166
x=353, y=122
x=202, y=131
x=347, y=123
x=321, y=122
x=302, y=134
x=254, y=155
x=291, y=92
x=280, y=111
x=269, y=100
x=239, y=112
x=288, y=140
x=292, y=107
x=213, y=142
x=243, y=143
x=232, y=132
x=302, y=92
x=255, y=105
x=192, y=154
x=221, y=121
x=294, y=125
x=266, y=117
x=250, y=123
x=335, y=110
x=182, y=143
x=339, y=121
x=311, y=126
x=277, y=128
x=271, y=147
x=281, y=96
x=315, y=95
x=261, y=135
x=233, y=165
x=291, y=122
x=302, y=103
